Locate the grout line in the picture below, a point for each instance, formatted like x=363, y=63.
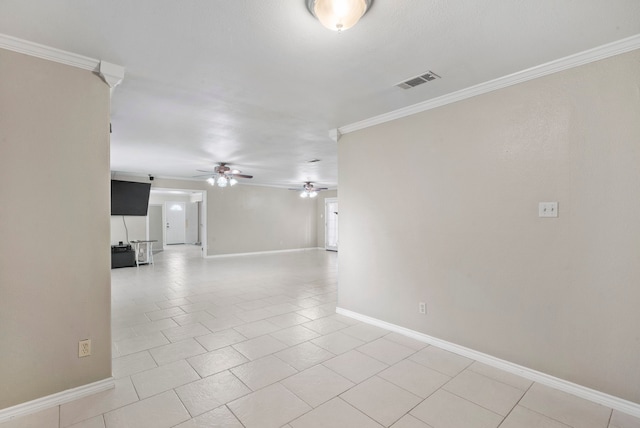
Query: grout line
x=470, y=368
x=516, y=405
x=236, y=416
x=540, y=413
x=467, y=400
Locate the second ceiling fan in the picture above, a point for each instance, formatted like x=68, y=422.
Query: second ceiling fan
x=308, y=190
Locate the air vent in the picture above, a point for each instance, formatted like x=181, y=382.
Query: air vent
x=418, y=80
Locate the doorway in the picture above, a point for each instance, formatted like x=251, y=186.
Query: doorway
x=193, y=225
x=175, y=219
x=331, y=224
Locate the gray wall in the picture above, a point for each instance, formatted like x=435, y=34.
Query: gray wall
x=54, y=223
x=246, y=219
x=156, y=227
x=459, y=229
x=136, y=228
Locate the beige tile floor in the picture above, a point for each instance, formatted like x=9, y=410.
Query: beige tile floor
x=254, y=341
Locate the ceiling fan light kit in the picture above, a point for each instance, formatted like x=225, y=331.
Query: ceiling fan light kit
x=308, y=190
x=338, y=15
x=223, y=176
x=223, y=181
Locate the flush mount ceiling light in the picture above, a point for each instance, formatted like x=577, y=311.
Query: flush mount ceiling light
x=338, y=15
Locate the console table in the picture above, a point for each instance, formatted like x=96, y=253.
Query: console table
x=148, y=252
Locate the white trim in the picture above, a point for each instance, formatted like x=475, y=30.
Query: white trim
x=111, y=73
x=611, y=401
x=335, y=134
x=217, y=256
x=48, y=53
x=56, y=399
x=591, y=55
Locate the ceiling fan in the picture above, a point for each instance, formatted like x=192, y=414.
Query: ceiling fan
x=308, y=190
x=222, y=175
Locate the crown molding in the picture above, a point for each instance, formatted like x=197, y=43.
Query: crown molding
x=111, y=73
x=48, y=53
x=581, y=58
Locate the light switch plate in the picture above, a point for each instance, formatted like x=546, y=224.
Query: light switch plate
x=548, y=209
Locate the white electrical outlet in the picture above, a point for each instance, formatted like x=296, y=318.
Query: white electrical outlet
x=84, y=348
x=422, y=308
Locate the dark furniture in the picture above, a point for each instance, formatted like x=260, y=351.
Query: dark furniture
x=122, y=256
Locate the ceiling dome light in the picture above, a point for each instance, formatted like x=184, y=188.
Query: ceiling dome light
x=211, y=181
x=338, y=15
x=222, y=181
x=313, y=194
x=233, y=181
x=304, y=194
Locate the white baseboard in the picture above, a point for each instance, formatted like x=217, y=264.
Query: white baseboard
x=217, y=256
x=611, y=401
x=56, y=399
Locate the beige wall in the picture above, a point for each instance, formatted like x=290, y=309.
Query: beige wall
x=247, y=219
x=320, y=214
x=136, y=228
x=54, y=223
x=459, y=229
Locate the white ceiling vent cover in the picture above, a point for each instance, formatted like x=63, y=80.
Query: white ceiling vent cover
x=418, y=80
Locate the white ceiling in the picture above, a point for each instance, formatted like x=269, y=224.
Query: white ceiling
x=260, y=83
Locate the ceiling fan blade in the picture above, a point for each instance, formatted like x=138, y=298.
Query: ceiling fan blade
x=243, y=175
x=297, y=190
x=321, y=188
x=202, y=170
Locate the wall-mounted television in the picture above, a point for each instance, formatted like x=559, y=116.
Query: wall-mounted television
x=129, y=198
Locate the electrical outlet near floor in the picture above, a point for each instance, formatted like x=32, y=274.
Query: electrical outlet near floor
x=422, y=307
x=84, y=348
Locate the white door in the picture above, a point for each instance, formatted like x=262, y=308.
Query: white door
x=175, y=223
x=331, y=223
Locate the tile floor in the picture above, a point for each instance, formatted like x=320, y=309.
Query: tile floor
x=254, y=341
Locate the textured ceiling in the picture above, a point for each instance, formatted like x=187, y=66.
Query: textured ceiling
x=260, y=83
